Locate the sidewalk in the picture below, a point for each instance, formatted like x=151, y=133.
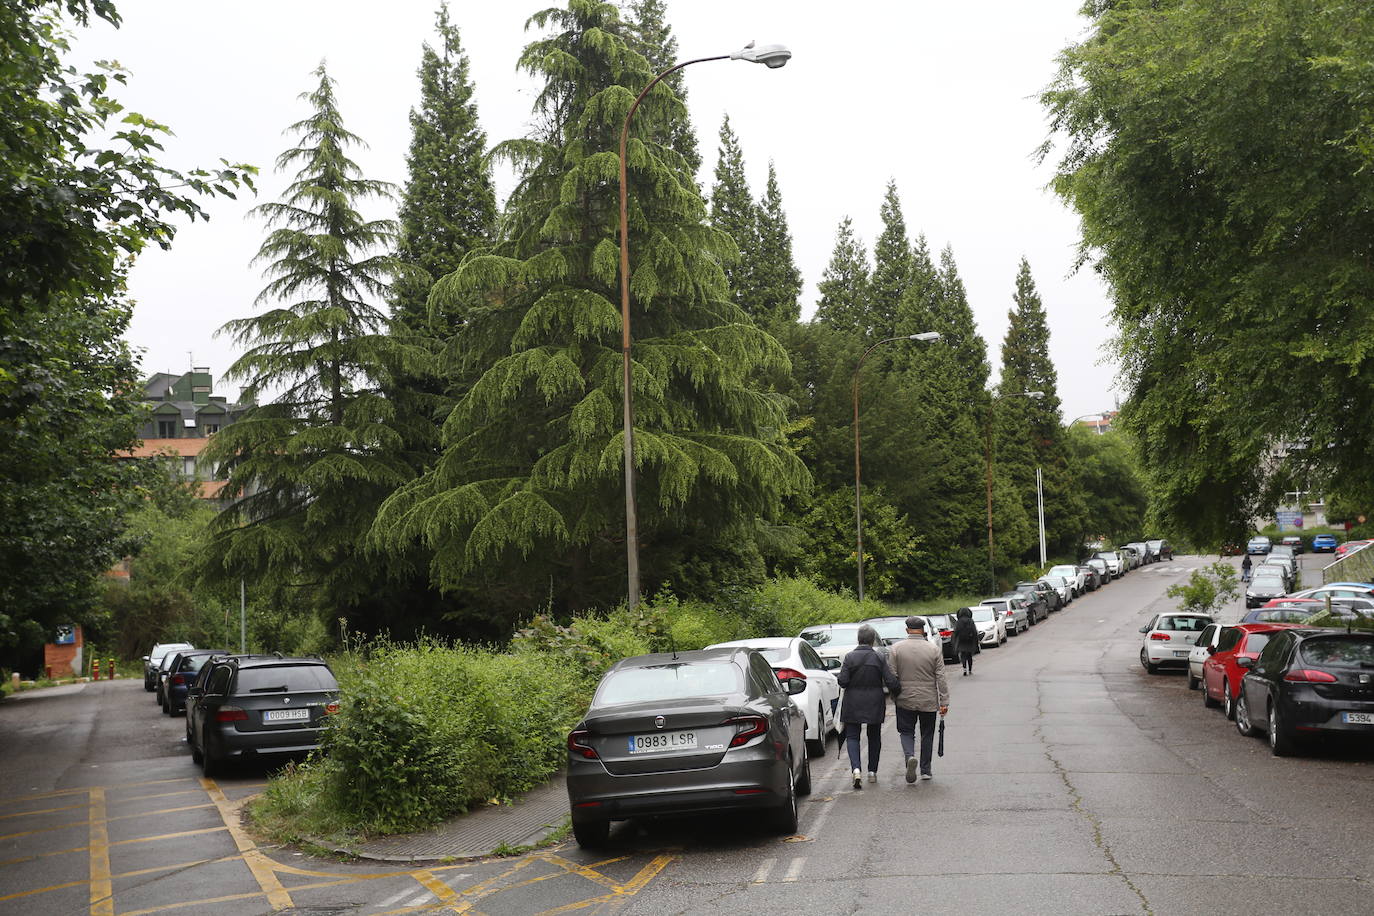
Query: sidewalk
x=478, y=833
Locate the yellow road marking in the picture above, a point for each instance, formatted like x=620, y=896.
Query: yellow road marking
x=15, y=836
x=365, y=876
x=167, y=836
x=257, y=863
x=38, y=796
x=119, y=817
x=44, y=890
x=585, y=871
x=102, y=892
x=40, y=855
x=441, y=891
x=133, y=798
x=124, y=817
x=476, y=892
x=628, y=889
x=184, y=903
x=43, y=811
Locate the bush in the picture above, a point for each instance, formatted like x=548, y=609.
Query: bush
x=1207, y=589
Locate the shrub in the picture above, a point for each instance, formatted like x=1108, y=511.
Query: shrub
x=1207, y=589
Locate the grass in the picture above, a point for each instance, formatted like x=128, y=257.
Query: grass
x=936, y=605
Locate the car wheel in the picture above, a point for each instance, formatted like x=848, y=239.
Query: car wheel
x=1243, y=723
x=1192, y=681
x=816, y=746
x=1207, y=700
x=1228, y=702
x=196, y=756
x=147, y=684
x=804, y=784
x=784, y=817
x=591, y=832
x=1281, y=742
x=166, y=708
x=1145, y=662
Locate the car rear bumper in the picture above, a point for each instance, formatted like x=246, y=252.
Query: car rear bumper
x=1165, y=658
x=232, y=743
x=1324, y=715
x=758, y=780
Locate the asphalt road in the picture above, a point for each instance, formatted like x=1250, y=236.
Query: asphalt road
x=1073, y=782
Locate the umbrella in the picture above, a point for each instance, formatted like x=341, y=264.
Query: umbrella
x=941, y=749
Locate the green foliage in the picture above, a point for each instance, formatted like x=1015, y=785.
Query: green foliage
x=775, y=281
x=733, y=212
x=892, y=267
x=648, y=32
x=1108, y=477
x=1207, y=590
x=844, y=284
x=1218, y=154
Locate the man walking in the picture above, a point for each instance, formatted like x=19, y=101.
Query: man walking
x=920, y=667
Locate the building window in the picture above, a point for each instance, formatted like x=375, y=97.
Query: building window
x=166, y=429
x=211, y=428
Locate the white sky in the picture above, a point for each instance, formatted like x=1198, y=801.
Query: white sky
x=940, y=96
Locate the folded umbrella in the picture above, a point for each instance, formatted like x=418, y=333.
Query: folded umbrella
x=941, y=749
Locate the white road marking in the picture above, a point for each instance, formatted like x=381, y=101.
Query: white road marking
x=765, y=869
x=393, y=898
x=423, y=898
x=815, y=828
x=794, y=870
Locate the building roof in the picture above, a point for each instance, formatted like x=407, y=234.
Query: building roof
x=189, y=447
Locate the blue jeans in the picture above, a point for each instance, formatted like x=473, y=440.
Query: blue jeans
x=906, y=730
x=875, y=744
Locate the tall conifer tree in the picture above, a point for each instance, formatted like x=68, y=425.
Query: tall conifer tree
x=448, y=204
x=776, y=283
x=960, y=328
x=648, y=32
x=844, y=285
x=891, y=266
x=531, y=476
x=734, y=213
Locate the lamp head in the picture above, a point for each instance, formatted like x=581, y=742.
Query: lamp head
x=926, y=336
x=1035, y=395
x=771, y=56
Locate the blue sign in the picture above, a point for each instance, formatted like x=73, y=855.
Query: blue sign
x=66, y=635
x=1291, y=519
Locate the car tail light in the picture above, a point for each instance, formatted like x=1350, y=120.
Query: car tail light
x=1309, y=676
x=1161, y=636
x=230, y=714
x=331, y=708
x=786, y=674
x=946, y=634
x=747, y=728
x=577, y=744
x=178, y=680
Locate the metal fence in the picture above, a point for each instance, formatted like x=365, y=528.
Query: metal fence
x=1353, y=567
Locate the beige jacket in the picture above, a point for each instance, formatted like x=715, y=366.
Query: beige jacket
x=920, y=667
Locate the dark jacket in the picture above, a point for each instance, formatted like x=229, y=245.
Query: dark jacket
x=965, y=635
x=863, y=676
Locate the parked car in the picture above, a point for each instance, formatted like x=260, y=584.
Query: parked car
x=1258, y=544
x=687, y=733
x=1324, y=543
x=1222, y=673
x=943, y=624
x=892, y=628
x=1053, y=601
x=1294, y=541
x=1349, y=547
x=1014, y=612
x=1061, y=586
x=1078, y=579
x=1284, y=566
x=160, y=675
x=1092, y=578
x=153, y=660
x=1036, y=604
x=1264, y=585
x=181, y=674
x=992, y=626
x=1113, y=561
x=260, y=706
x=1102, y=568
x=1142, y=551
x=832, y=640
x=1338, y=590
x=1162, y=549
x=1206, y=641
x=1282, y=550
x=791, y=658
x=1129, y=558
x=1280, y=613
x=1169, y=638
x=1308, y=682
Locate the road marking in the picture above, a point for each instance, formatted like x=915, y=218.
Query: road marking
x=168, y=836
x=590, y=874
x=795, y=868
x=815, y=829
x=628, y=889
x=392, y=899
x=102, y=889
x=44, y=890
x=257, y=863
x=84, y=804
x=133, y=798
x=185, y=903
x=765, y=869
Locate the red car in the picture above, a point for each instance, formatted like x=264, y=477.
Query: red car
x=1348, y=547
x=1221, y=675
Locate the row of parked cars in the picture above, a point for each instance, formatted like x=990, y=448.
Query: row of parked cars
x=240, y=707
x=733, y=726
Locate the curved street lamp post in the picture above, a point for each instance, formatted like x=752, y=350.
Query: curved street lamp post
x=926, y=336
x=773, y=57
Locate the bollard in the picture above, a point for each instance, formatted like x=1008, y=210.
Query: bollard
x=95, y=669
x=110, y=662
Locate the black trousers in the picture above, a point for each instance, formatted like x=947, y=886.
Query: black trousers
x=906, y=730
x=966, y=659
x=875, y=744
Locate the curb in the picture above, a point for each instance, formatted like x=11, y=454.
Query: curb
x=468, y=856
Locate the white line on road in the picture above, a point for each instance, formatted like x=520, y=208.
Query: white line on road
x=794, y=870
x=765, y=869
x=394, y=897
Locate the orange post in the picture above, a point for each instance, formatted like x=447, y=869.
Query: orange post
x=110, y=662
x=95, y=669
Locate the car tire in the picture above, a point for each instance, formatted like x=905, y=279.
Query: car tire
x=804, y=783
x=1207, y=701
x=1281, y=741
x=1147, y=664
x=147, y=685
x=783, y=818
x=1193, y=681
x=1243, y=723
x=591, y=832
x=1228, y=702
x=816, y=746
x=196, y=756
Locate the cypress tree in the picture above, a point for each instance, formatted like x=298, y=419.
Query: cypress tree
x=891, y=266
x=844, y=285
x=529, y=488
x=648, y=32
x=776, y=281
x=313, y=464
x=960, y=329
x=448, y=204
x=733, y=212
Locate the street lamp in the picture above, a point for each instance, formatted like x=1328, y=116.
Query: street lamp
x=1095, y=413
x=925, y=337
x=772, y=57
x=992, y=565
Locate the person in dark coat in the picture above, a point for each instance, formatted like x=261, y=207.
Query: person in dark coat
x=863, y=676
x=965, y=639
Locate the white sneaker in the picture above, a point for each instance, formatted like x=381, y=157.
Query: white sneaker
x=858, y=779
x=872, y=776
x=925, y=776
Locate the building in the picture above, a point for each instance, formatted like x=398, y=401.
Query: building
x=183, y=413
x=1099, y=423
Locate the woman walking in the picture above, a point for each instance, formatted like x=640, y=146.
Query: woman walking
x=863, y=676
x=965, y=639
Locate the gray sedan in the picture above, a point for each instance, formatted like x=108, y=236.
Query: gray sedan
x=686, y=733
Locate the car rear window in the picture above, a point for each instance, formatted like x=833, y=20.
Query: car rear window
x=840, y=636
x=1256, y=642
x=1268, y=581
x=669, y=682
x=996, y=605
x=1282, y=615
x=984, y=616
x=1339, y=653
x=775, y=654
x=193, y=663
x=890, y=629
x=285, y=679
x=940, y=621
x=1184, y=624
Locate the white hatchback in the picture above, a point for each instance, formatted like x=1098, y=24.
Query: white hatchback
x=1169, y=639
x=790, y=658
x=991, y=624
x=1201, y=651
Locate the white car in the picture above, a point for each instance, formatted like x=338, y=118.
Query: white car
x=891, y=629
x=1062, y=585
x=1015, y=614
x=1115, y=569
x=1169, y=639
x=832, y=640
x=991, y=624
x=791, y=658
x=1075, y=574
x=1201, y=651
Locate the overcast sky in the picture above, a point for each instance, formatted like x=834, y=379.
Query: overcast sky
x=939, y=96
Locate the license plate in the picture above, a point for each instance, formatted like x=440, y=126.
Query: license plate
x=286, y=715
x=662, y=741
x=1358, y=718
x=1180, y=654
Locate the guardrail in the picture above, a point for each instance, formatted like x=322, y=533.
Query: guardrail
x=1357, y=566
